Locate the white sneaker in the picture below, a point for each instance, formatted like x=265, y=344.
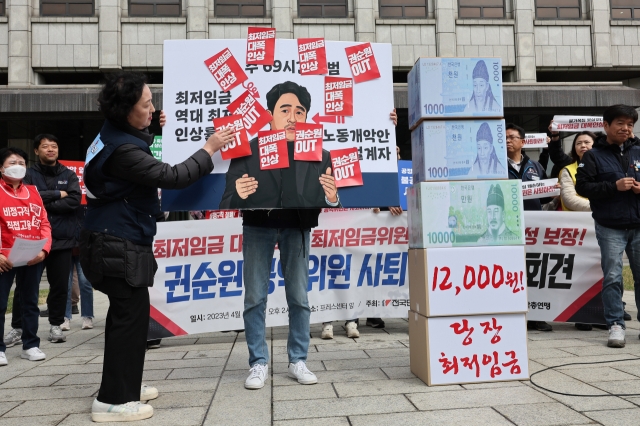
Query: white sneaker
x=13, y=337
x=56, y=335
x=3, y=359
x=148, y=392
x=352, y=329
x=129, y=412
x=87, y=323
x=327, y=330
x=258, y=374
x=65, y=326
x=300, y=372
x=616, y=336
x=33, y=354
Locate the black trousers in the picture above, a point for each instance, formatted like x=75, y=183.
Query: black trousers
x=58, y=265
x=125, y=341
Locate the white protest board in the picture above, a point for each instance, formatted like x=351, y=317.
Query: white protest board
x=468, y=349
x=535, y=140
x=540, y=189
x=577, y=123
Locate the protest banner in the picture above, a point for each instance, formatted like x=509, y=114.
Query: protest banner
x=459, y=150
x=540, y=189
x=193, y=97
x=468, y=349
x=261, y=45
x=357, y=268
x=455, y=88
x=563, y=268
x=576, y=123
x=405, y=181
x=535, y=140
x=78, y=168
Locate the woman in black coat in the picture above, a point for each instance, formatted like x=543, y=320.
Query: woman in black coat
x=122, y=179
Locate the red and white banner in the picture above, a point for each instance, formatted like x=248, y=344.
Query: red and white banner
x=540, y=189
x=312, y=56
x=254, y=115
x=362, y=62
x=261, y=45
x=78, y=169
x=240, y=145
x=357, y=268
x=273, y=149
x=576, y=123
x=535, y=140
x=563, y=267
x=346, y=167
x=308, y=145
x=222, y=214
x=225, y=70
x=338, y=96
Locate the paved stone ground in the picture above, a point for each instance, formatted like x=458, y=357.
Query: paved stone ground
x=363, y=381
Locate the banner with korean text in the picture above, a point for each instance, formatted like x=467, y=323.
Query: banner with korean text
x=357, y=268
x=564, y=276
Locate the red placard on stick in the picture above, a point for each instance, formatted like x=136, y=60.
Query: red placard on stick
x=308, y=144
x=254, y=116
x=362, y=62
x=225, y=70
x=261, y=45
x=346, y=167
x=239, y=147
x=273, y=149
x=338, y=96
x=312, y=56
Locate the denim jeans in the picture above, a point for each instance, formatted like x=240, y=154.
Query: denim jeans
x=257, y=248
x=86, y=291
x=28, y=284
x=613, y=242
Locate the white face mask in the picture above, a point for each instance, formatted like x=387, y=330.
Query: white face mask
x=16, y=172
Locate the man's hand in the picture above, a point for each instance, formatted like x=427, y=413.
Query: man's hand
x=636, y=187
x=39, y=258
x=5, y=265
x=394, y=117
x=376, y=210
x=246, y=186
x=329, y=186
x=163, y=118
x=63, y=194
x=395, y=211
x=218, y=140
x=625, y=184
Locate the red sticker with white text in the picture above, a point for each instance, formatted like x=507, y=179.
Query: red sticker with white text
x=261, y=45
x=273, y=149
x=312, y=56
x=346, y=167
x=239, y=147
x=254, y=116
x=225, y=70
x=362, y=62
x=338, y=96
x=308, y=144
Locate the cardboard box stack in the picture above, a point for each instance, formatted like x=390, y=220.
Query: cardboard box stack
x=467, y=270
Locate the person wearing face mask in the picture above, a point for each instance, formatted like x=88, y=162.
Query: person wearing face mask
x=122, y=179
x=22, y=215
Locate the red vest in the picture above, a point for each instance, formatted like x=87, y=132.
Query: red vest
x=22, y=215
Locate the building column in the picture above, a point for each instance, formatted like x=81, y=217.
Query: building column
x=110, y=35
x=20, y=71
x=445, y=28
x=523, y=11
x=601, y=33
x=197, y=19
x=365, y=20
x=282, y=18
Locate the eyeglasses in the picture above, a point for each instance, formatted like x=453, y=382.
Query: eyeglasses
x=513, y=138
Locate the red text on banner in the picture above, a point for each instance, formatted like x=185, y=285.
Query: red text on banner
x=78, y=169
x=225, y=69
x=261, y=45
x=312, y=56
x=254, y=116
x=308, y=144
x=239, y=147
x=273, y=149
x=338, y=96
x=346, y=167
x=362, y=62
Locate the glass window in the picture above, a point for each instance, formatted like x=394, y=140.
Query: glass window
x=235, y=8
x=1, y=7
x=66, y=7
x=403, y=8
x=625, y=9
x=481, y=9
x=322, y=8
x=155, y=8
x=557, y=9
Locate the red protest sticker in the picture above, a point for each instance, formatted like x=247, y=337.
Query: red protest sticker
x=254, y=116
x=273, y=149
x=312, y=56
x=308, y=145
x=338, y=96
x=239, y=147
x=362, y=62
x=261, y=45
x=225, y=70
x=346, y=167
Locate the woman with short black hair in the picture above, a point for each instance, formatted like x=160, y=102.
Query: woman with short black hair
x=122, y=179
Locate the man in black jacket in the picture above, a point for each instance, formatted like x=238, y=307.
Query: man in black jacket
x=60, y=191
x=608, y=176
